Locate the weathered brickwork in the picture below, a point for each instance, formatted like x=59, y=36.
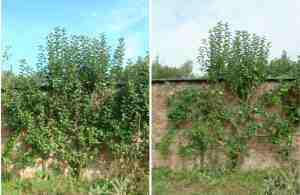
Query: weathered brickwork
x=260, y=154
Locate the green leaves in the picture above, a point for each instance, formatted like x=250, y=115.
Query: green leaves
x=118, y=60
x=160, y=71
x=79, y=101
x=240, y=58
x=200, y=140
x=209, y=122
x=182, y=105
x=283, y=67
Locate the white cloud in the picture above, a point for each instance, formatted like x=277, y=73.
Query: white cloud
x=177, y=28
x=123, y=16
x=123, y=20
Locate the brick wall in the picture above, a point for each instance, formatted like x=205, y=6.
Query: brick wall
x=260, y=154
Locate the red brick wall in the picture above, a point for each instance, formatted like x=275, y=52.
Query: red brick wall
x=260, y=154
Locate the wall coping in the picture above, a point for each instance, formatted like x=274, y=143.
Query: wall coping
x=201, y=80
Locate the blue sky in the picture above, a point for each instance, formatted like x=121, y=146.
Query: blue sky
x=26, y=23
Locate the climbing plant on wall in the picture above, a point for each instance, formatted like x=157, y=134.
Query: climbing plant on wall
x=235, y=66
x=80, y=101
x=218, y=123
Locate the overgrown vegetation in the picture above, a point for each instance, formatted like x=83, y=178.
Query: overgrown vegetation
x=227, y=114
x=238, y=58
x=160, y=71
x=217, y=125
x=225, y=54
x=80, y=103
x=220, y=182
x=283, y=66
x=70, y=186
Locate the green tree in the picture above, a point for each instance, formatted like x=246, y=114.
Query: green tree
x=5, y=57
x=239, y=58
x=104, y=55
x=118, y=59
x=72, y=110
x=160, y=71
x=282, y=67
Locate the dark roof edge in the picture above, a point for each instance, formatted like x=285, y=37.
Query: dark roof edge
x=205, y=80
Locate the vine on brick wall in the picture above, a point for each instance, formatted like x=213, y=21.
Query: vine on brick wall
x=235, y=63
x=214, y=124
x=79, y=102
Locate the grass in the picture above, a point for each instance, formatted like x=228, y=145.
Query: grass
x=221, y=182
x=60, y=185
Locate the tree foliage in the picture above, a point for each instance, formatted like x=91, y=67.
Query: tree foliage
x=240, y=58
x=283, y=67
x=228, y=119
x=80, y=101
x=160, y=71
